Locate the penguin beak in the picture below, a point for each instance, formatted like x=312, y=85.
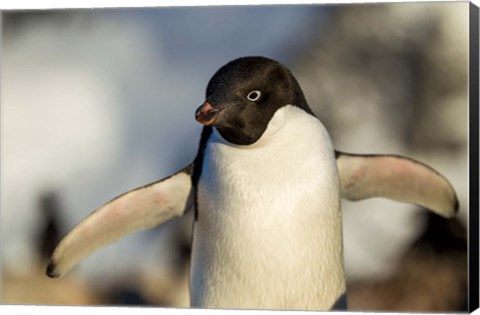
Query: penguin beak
x=206, y=114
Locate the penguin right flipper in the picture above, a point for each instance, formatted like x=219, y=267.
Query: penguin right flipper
x=140, y=209
x=395, y=177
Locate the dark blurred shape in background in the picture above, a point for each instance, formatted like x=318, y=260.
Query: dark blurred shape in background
x=50, y=233
x=430, y=277
x=97, y=102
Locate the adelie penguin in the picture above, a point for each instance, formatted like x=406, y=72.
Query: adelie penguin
x=265, y=187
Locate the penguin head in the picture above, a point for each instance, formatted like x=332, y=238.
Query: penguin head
x=243, y=95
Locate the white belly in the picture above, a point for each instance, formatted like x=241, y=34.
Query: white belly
x=268, y=234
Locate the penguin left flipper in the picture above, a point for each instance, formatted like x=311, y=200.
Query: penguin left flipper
x=139, y=209
x=395, y=177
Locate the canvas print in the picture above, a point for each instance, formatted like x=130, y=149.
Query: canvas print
x=293, y=157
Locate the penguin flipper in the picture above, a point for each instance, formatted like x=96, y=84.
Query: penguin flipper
x=139, y=209
x=395, y=177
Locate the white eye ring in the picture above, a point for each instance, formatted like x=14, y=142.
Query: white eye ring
x=254, y=95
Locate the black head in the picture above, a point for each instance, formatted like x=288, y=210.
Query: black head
x=243, y=95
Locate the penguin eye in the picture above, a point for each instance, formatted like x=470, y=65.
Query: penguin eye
x=254, y=95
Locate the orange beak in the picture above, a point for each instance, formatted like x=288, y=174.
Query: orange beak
x=206, y=114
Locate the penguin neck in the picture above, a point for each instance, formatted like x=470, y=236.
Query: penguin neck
x=272, y=134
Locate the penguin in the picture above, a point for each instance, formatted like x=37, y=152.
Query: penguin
x=265, y=188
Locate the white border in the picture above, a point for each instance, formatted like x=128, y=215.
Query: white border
x=151, y=310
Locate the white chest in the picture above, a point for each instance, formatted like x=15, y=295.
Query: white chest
x=269, y=232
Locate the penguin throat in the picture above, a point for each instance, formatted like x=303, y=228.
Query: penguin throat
x=276, y=123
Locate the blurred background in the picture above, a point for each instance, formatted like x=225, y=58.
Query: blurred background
x=96, y=102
